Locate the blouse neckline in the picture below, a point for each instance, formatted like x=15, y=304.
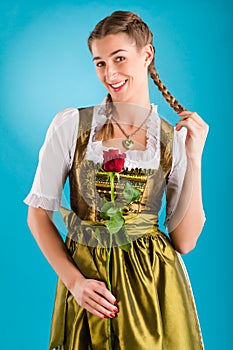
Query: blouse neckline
x=148, y=157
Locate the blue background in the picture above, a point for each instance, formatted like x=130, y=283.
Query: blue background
x=45, y=66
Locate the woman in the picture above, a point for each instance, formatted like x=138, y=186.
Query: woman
x=150, y=303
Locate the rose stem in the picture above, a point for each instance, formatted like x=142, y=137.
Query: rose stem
x=111, y=177
x=109, y=288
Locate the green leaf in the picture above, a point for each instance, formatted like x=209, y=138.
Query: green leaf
x=107, y=206
x=122, y=239
x=130, y=193
x=104, y=215
x=113, y=211
x=107, y=210
x=126, y=247
x=115, y=223
x=110, y=209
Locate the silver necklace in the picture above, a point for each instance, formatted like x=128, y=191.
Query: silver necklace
x=128, y=142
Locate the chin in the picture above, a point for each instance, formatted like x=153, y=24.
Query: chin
x=119, y=98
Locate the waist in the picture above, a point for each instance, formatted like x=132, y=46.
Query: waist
x=96, y=233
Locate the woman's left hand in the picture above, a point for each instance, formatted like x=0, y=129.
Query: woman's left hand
x=197, y=131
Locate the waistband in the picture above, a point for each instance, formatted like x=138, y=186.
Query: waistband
x=96, y=234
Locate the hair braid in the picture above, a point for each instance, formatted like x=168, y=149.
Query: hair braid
x=166, y=94
x=106, y=132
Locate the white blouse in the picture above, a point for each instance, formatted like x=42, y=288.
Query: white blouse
x=56, y=157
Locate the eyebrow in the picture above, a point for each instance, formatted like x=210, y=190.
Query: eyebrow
x=111, y=54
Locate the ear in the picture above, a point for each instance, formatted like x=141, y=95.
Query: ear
x=148, y=53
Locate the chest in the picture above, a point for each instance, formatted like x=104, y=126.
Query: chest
x=139, y=138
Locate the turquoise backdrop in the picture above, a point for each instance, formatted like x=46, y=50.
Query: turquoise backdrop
x=45, y=66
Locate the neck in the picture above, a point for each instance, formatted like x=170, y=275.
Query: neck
x=133, y=109
x=129, y=113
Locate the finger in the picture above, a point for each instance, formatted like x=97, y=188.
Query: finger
x=193, y=115
x=98, y=292
x=94, y=311
x=96, y=298
x=102, y=290
x=194, y=118
x=191, y=125
x=99, y=306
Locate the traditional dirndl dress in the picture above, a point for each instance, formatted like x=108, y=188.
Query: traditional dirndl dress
x=150, y=282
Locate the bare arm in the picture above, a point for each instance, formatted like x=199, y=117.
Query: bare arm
x=91, y=294
x=188, y=220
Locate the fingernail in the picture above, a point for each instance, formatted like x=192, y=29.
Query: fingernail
x=112, y=315
x=115, y=310
x=115, y=302
x=105, y=316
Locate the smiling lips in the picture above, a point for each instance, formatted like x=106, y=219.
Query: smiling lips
x=118, y=86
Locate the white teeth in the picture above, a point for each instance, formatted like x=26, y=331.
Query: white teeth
x=115, y=86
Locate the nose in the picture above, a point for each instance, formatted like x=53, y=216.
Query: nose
x=110, y=73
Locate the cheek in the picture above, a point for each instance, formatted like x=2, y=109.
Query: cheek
x=140, y=70
x=134, y=67
x=140, y=65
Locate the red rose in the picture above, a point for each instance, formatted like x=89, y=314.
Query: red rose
x=113, y=161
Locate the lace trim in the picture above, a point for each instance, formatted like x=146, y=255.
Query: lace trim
x=149, y=158
x=47, y=203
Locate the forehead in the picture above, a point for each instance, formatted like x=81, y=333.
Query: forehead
x=111, y=43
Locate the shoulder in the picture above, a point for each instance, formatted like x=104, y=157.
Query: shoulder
x=64, y=122
x=168, y=129
x=65, y=116
x=165, y=123
x=87, y=112
x=167, y=132
x=165, y=126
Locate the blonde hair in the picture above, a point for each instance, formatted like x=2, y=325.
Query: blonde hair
x=131, y=24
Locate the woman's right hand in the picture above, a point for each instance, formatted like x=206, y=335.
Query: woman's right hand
x=94, y=296
x=91, y=294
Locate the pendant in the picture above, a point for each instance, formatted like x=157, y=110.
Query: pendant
x=128, y=143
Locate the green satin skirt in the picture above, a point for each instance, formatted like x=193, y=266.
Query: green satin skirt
x=156, y=305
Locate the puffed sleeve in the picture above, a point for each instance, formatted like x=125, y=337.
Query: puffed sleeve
x=55, y=161
x=176, y=176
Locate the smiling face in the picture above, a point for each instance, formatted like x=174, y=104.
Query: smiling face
x=122, y=67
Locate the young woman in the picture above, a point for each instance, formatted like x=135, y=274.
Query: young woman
x=150, y=304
